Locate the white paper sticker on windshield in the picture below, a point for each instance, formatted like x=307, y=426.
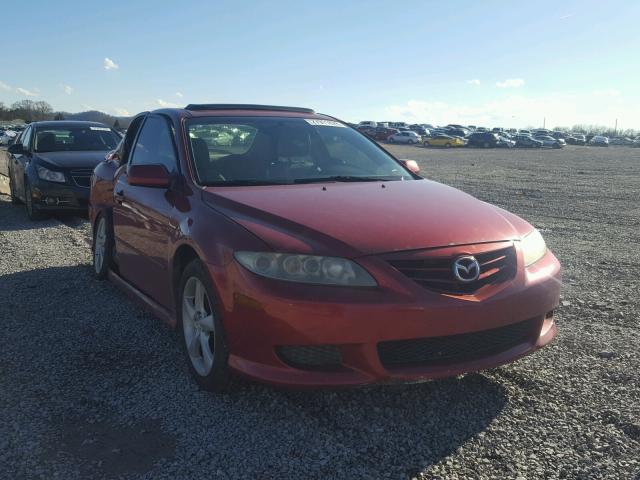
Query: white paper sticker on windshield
x=102, y=129
x=324, y=123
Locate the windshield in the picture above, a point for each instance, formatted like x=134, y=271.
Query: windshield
x=276, y=150
x=76, y=139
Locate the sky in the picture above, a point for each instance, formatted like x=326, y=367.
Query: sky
x=489, y=63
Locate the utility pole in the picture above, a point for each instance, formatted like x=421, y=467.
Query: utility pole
x=544, y=122
x=615, y=129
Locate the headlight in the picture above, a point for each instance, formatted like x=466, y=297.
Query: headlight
x=533, y=248
x=50, y=175
x=306, y=268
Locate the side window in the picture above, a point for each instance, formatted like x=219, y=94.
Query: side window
x=26, y=138
x=154, y=145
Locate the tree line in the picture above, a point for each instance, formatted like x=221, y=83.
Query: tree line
x=35, y=111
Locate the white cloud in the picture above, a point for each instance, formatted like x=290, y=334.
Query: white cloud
x=28, y=93
x=510, y=83
x=165, y=104
x=87, y=107
x=473, y=81
x=179, y=94
x=68, y=89
x=564, y=17
x=110, y=64
x=4, y=86
x=121, y=112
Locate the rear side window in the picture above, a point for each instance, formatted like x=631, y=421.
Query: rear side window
x=154, y=145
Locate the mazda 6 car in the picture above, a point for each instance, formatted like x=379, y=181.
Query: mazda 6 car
x=51, y=163
x=287, y=247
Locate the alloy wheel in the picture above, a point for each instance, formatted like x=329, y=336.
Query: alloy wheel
x=198, y=326
x=99, y=247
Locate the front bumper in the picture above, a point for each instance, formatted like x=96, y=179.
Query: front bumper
x=52, y=196
x=262, y=315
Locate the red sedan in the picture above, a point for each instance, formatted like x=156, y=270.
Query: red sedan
x=289, y=248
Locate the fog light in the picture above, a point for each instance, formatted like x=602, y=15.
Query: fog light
x=50, y=200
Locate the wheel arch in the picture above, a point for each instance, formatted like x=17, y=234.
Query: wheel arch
x=182, y=256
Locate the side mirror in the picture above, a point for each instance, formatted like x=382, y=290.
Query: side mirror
x=149, y=176
x=412, y=166
x=112, y=155
x=16, y=149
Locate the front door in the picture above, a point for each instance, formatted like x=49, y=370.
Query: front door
x=144, y=218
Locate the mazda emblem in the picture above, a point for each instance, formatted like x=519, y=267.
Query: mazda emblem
x=466, y=269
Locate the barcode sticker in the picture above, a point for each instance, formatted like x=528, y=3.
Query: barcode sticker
x=324, y=123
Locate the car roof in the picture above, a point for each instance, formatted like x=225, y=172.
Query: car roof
x=240, y=110
x=67, y=123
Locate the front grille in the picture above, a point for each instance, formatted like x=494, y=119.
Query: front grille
x=436, y=273
x=311, y=357
x=82, y=177
x=434, y=351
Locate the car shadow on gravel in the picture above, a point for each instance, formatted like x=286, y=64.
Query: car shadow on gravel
x=408, y=426
x=14, y=217
x=104, y=389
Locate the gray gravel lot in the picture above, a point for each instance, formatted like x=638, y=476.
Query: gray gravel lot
x=93, y=387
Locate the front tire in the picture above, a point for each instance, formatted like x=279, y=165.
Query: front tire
x=102, y=247
x=32, y=211
x=12, y=188
x=201, y=329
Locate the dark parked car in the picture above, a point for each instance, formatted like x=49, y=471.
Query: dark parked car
x=526, y=141
x=419, y=130
x=576, y=139
x=367, y=130
x=50, y=168
x=295, y=257
x=383, y=133
x=458, y=132
x=483, y=139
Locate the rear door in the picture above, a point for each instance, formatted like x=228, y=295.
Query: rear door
x=18, y=161
x=144, y=217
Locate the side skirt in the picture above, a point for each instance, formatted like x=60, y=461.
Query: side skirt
x=147, y=302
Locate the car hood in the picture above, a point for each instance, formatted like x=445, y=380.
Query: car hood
x=352, y=219
x=72, y=159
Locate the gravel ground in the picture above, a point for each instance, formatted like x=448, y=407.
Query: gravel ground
x=93, y=387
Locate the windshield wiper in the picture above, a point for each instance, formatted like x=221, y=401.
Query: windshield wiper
x=346, y=178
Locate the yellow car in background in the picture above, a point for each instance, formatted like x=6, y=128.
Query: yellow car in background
x=446, y=141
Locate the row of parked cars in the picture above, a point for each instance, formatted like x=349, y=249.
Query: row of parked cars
x=470, y=136
x=9, y=132
x=292, y=284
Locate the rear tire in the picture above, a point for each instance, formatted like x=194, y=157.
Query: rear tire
x=32, y=211
x=200, y=327
x=426, y=144
x=102, y=246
